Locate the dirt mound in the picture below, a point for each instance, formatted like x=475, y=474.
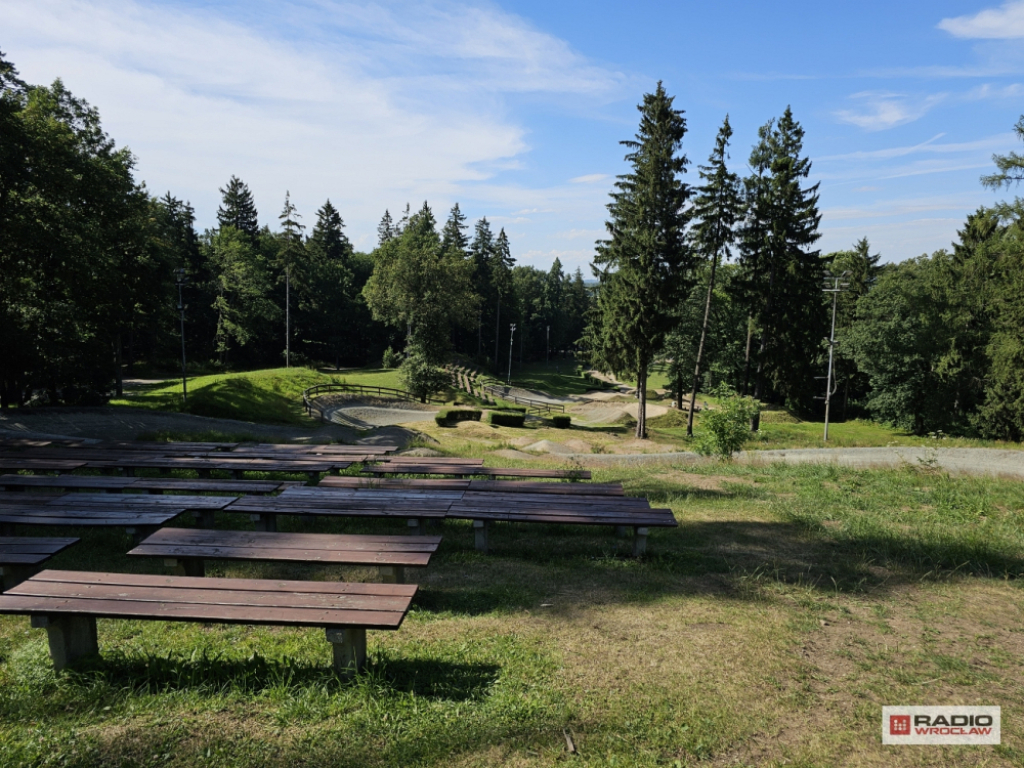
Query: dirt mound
x=508, y=453
x=422, y=452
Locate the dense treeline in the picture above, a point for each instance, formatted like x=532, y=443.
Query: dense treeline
x=89, y=263
x=933, y=344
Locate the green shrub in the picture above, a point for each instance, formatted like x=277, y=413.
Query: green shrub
x=506, y=418
x=724, y=429
x=457, y=414
x=391, y=359
x=561, y=422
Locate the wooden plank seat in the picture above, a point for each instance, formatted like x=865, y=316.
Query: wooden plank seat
x=187, y=549
x=21, y=556
x=236, y=466
x=83, y=482
x=152, y=485
x=348, y=481
x=314, y=449
x=441, y=460
x=20, y=463
x=469, y=471
x=452, y=484
x=343, y=502
x=138, y=522
x=67, y=604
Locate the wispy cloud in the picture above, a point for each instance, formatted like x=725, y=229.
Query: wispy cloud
x=884, y=110
x=1005, y=22
x=591, y=178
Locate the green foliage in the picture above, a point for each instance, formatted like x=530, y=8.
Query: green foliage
x=645, y=264
x=238, y=210
x=506, y=418
x=420, y=375
x=444, y=418
x=391, y=358
x=561, y=422
x=724, y=429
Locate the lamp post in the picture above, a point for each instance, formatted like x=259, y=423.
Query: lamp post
x=512, y=332
x=834, y=286
x=547, y=346
x=180, y=279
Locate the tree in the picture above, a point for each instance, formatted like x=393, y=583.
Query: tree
x=500, y=273
x=783, y=274
x=238, y=210
x=291, y=254
x=325, y=285
x=481, y=250
x=416, y=285
x=716, y=208
x=644, y=266
x=386, y=229
x=1010, y=166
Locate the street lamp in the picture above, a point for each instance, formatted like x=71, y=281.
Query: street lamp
x=180, y=279
x=832, y=284
x=512, y=333
x=547, y=346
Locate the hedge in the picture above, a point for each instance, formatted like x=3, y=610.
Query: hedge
x=457, y=414
x=561, y=422
x=506, y=418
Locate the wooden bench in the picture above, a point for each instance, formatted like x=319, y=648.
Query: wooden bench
x=473, y=471
x=414, y=507
x=236, y=466
x=21, y=556
x=137, y=522
x=153, y=485
x=187, y=549
x=67, y=604
x=9, y=463
x=440, y=460
x=463, y=484
x=202, y=507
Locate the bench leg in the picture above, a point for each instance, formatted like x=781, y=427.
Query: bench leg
x=238, y=474
x=266, y=523
x=621, y=531
x=128, y=471
x=71, y=637
x=639, y=541
x=15, y=574
x=6, y=529
x=205, y=518
x=314, y=478
x=141, y=533
x=392, y=574
x=187, y=566
x=349, y=650
x=204, y=474
x=480, y=535
x=415, y=526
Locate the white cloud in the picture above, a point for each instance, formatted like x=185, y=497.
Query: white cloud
x=592, y=178
x=371, y=105
x=887, y=110
x=1005, y=22
x=588, y=234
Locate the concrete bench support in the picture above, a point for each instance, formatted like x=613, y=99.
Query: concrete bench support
x=480, y=535
x=392, y=574
x=349, y=650
x=14, y=574
x=639, y=541
x=621, y=531
x=416, y=527
x=266, y=523
x=204, y=517
x=140, y=532
x=71, y=637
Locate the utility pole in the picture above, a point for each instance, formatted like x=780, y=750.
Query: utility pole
x=180, y=279
x=511, y=334
x=834, y=286
x=287, y=317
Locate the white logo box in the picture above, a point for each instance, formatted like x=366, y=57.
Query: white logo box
x=941, y=725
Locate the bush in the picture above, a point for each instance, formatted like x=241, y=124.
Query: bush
x=391, y=359
x=561, y=422
x=725, y=429
x=443, y=418
x=421, y=377
x=506, y=418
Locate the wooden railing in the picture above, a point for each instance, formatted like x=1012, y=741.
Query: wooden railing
x=308, y=395
x=529, y=402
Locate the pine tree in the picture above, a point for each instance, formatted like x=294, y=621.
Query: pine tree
x=326, y=302
x=500, y=269
x=481, y=250
x=716, y=208
x=238, y=209
x=453, y=236
x=290, y=256
x=386, y=229
x=645, y=264
x=783, y=274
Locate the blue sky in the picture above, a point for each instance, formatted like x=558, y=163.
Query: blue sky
x=515, y=109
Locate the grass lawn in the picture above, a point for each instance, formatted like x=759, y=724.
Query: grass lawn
x=769, y=629
x=559, y=378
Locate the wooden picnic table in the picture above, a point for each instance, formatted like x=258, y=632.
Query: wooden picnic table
x=67, y=604
x=20, y=556
x=187, y=549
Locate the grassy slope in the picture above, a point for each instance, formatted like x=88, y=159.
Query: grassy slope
x=769, y=629
x=272, y=396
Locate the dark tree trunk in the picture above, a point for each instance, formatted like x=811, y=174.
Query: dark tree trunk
x=755, y=423
x=746, y=361
x=497, y=338
x=641, y=409
x=117, y=365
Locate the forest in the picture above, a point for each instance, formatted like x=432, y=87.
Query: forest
x=720, y=280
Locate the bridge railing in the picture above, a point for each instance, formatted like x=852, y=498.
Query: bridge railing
x=310, y=394
x=529, y=402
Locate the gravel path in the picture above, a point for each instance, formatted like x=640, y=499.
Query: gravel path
x=975, y=461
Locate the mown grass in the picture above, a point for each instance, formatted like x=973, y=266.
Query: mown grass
x=768, y=629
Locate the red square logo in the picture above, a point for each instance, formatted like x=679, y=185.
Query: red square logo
x=899, y=725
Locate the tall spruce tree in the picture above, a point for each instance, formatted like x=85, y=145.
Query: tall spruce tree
x=500, y=268
x=784, y=272
x=238, y=209
x=453, y=236
x=645, y=264
x=482, y=251
x=386, y=229
x=326, y=302
x=716, y=208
